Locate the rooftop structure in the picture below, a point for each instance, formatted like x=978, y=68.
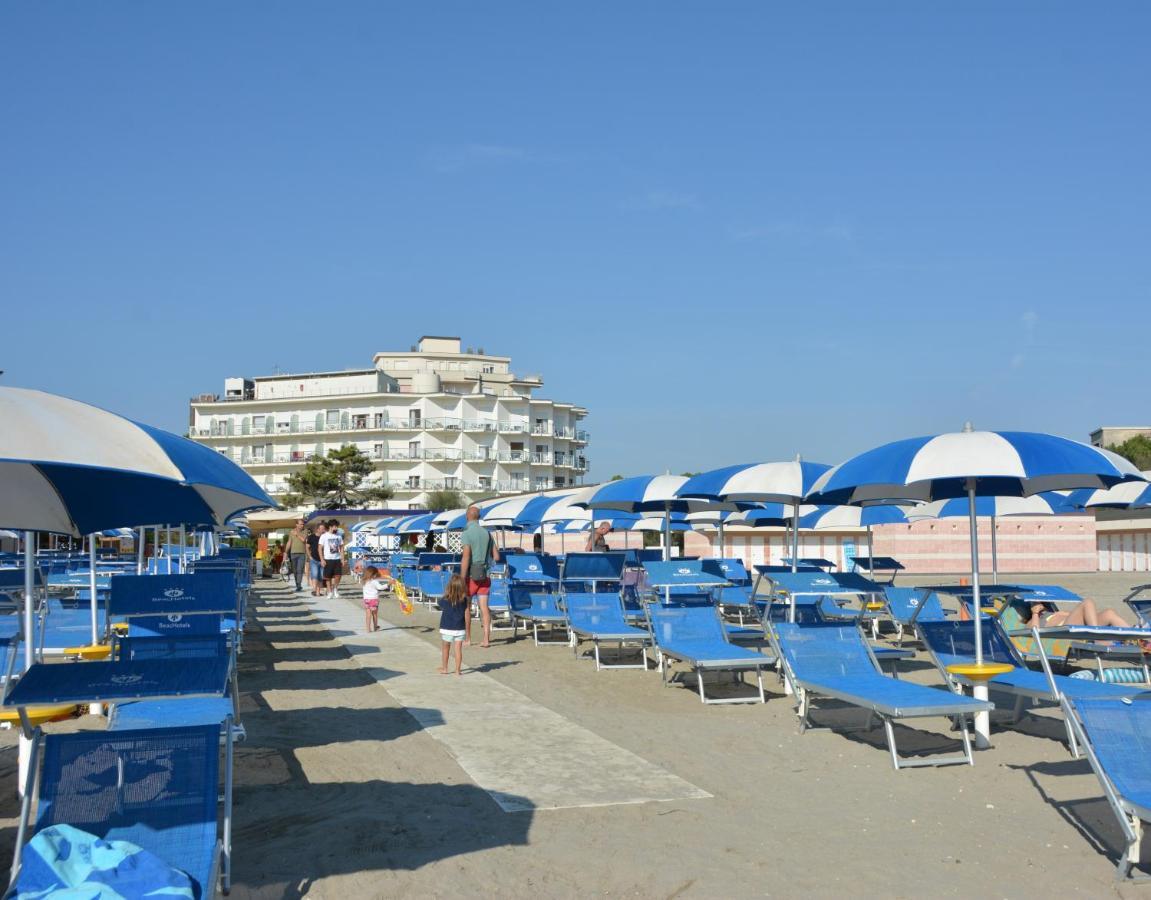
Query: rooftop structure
x=435, y=417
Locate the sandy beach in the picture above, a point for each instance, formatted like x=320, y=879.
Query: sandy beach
x=345, y=790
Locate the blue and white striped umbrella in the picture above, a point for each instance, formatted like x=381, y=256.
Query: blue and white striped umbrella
x=771, y=482
x=1129, y=495
x=415, y=524
x=70, y=468
x=645, y=493
x=827, y=517
x=994, y=463
x=1046, y=504
x=973, y=464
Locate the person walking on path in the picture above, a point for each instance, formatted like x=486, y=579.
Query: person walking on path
x=479, y=551
x=297, y=549
x=332, y=552
x=315, y=561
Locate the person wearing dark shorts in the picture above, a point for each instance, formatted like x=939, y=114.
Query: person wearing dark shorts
x=332, y=552
x=315, y=563
x=479, y=550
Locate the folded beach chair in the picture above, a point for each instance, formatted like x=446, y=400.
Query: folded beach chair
x=540, y=609
x=907, y=606
x=1116, y=737
x=950, y=643
x=499, y=601
x=155, y=788
x=834, y=661
x=695, y=636
x=599, y=618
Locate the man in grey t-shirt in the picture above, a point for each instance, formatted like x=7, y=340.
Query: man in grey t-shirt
x=479, y=551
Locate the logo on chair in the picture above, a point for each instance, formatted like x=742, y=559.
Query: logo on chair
x=124, y=680
x=174, y=593
x=532, y=567
x=683, y=571
x=822, y=581
x=175, y=617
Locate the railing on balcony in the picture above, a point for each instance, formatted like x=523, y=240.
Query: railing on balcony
x=378, y=424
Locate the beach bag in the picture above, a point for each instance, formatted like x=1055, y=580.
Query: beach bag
x=478, y=571
x=402, y=597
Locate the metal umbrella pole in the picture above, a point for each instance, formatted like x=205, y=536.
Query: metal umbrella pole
x=92, y=588
x=795, y=536
x=140, y=540
x=25, y=748
x=994, y=553
x=666, y=532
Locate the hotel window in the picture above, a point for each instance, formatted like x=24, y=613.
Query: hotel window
x=378, y=451
x=485, y=483
x=414, y=418
x=258, y=423
x=451, y=483
x=332, y=418
x=413, y=481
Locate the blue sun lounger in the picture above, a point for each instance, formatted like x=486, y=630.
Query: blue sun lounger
x=1116, y=738
x=834, y=661
x=695, y=636
x=599, y=618
x=155, y=788
x=540, y=609
x=951, y=642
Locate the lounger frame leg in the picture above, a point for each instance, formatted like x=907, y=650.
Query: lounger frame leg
x=227, y=868
x=30, y=790
x=715, y=701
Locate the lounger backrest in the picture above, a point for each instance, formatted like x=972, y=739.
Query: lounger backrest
x=1120, y=735
x=954, y=642
x=819, y=651
x=594, y=566
x=731, y=569
x=150, y=595
x=206, y=647
x=531, y=567
x=154, y=787
x=905, y=602
x=1141, y=606
x=174, y=625
x=433, y=582
x=599, y=610
x=672, y=625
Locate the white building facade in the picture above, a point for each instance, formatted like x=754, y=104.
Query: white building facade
x=436, y=417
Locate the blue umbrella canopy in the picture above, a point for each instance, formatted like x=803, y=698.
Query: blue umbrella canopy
x=973, y=464
x=995, y=463
x=70, y=468
x=770, y=482
x=1046, y=504
x=1129, y=495
x=853, y=516
x=415, y=524
x=643, y=493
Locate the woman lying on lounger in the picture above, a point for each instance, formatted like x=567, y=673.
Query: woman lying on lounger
x=1084, y=613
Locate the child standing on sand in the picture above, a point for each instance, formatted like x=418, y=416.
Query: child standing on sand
x=373, y=582
x=453, y=613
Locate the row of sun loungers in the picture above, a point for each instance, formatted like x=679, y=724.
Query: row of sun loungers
x=160, y=776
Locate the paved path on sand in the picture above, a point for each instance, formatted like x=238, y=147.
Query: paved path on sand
x=523, y=754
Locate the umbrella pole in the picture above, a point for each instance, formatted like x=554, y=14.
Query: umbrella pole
x=979, y=686
x=794, y=539
x=183, y=538
x=25, y=751
x=722, y=553
x=92, y=588
x=168, y=546
x=140, y=538
x=666, y=532
x=870, y=552
x=994, y=554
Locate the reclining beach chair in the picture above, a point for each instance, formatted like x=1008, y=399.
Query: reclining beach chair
x=1139, y=602
x=599, y=618
x=155, y=788
x=953, y=642
x=695, y=636
x=834, y=661
x=1116, y=737
x=541, y=609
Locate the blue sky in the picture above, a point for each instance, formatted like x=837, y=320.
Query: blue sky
x=734, y=231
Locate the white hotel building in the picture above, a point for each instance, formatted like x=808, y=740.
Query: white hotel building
x=437, y=417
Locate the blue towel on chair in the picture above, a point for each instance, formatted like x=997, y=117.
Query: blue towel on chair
x=65, y=862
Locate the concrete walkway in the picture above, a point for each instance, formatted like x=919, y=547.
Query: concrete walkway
x=523, y=754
